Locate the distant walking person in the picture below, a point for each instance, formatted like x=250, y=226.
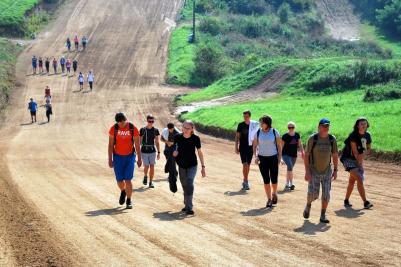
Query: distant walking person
x=91, y=79
x=48, y=95
x=76, y=42
x=55, y=65
x=267, y=152
x=123, y=149
x=75, y=65
x=40, y=65
x=167, y=137
x=68, y=66
x=81, y=80
x=62, y=64
x=291, y=142
x=33, y=106
x=321, y=148
x=49, y=110
x=69, y=44
x=47, y=65
x=34, y=64
x=149, y=136
x=243, y=144
x=357, y=145
x=84, y=42
x=186, y=145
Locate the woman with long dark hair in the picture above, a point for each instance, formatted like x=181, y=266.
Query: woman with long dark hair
x=357, y=145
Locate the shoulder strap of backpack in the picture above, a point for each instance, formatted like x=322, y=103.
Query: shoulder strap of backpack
x=315, y=138
x=275, y=141
x=131, y=129
x=115, y=133
x=257, y=134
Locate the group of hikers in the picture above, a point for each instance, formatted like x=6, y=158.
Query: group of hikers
x=254, y=139
x=84, y=42
x=41, y=65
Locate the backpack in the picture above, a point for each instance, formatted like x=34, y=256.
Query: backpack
x=315, y=139
x=145, y=141
x=274, y=133
x=131, y=129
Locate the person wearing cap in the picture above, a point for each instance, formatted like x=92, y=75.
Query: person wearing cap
x=123, y=150
x=33, y=107
x=167, y=137
x=321, y=151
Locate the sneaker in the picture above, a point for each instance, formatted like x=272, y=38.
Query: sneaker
x=122, y=197
x=129, y=203
x=275, y=200
x=347, y=204
x=145, y=180
x=287, y=187
x=306, y=212
x=151, y=185
x=189, y=212
x=269, y=204
x=245, y=186
x=292, y=187
x=367, y=205
x=324, y=220
x=184, y=209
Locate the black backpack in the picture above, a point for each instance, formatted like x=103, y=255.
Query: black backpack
x=131, y=129
x=275, y=134
x=315, y=139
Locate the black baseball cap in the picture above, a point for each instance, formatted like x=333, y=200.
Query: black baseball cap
x=324, y=121
x=120, y=117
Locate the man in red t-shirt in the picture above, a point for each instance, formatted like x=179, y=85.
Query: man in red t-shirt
x=124, y=147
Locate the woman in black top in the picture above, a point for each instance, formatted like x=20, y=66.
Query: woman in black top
x=47, y=65
x=291, y=141
x=357, y=145
x=186, y=145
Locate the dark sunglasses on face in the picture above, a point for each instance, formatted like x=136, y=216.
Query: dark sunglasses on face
x=290, y=128
x=151, y=121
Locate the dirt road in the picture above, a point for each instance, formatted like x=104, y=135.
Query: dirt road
x=57, y=175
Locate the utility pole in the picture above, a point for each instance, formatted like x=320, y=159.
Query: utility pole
x=193, y=20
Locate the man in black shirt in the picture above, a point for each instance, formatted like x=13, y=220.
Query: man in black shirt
x=149, y=137
x=167, y=137
x=243, y=147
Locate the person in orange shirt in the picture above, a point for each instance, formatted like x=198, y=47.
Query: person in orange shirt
x=124, y=147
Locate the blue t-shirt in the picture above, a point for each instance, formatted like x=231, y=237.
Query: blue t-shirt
x=32, y=106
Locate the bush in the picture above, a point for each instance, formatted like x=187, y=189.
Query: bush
x=211, y=25
x=208, y=63
x=248, y=7
x=284, y=12
x=252, y=27
x=389, y=18
x=389, y=91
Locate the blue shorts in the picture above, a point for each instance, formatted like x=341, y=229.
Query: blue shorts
x=124, y=167
x=289, y=161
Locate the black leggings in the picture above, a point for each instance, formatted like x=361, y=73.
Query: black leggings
x=268, y=167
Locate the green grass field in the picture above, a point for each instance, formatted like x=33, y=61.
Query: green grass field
x=371, y=33
x=342, y=109
x=12, y=12
x=181, y=66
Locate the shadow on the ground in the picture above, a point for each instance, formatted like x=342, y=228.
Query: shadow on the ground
x=257, y=212
x=171, y=216
x=110, y=212
x=309, y=228
x=236, y=193
x=349, y=213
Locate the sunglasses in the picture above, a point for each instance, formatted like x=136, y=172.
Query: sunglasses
x=291, y=127
x=151, y=121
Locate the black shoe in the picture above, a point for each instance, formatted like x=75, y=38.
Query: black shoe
x=184, y=209
x=129, y=204
x=189, y=212
x=367, y=205
x=275, y=200
x=122, y=197
x=145, y=180
x=292, y=187
x=151, y=185
x=269, y=204
x=347, y=204
x=306, y=213
x=324, y=220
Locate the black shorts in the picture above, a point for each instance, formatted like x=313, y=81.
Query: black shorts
x=33, y=113
x=246, y=154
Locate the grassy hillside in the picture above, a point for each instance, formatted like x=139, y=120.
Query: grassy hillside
x=237, y=35
x=8, y=55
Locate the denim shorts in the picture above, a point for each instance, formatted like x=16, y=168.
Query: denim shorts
x=289, y=161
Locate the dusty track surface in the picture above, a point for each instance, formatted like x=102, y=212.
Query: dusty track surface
x=59, y=170
x=340, y=20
